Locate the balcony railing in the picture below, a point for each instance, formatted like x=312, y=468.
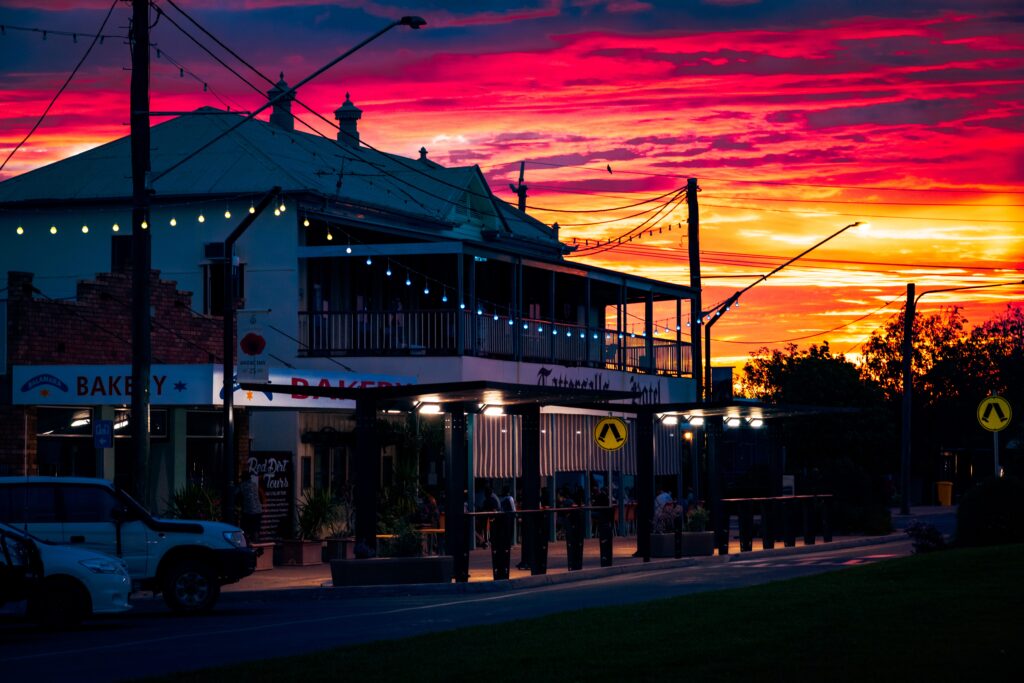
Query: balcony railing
x=436, y=333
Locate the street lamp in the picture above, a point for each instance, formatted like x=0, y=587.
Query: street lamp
x=715, y=313
x=908, y=379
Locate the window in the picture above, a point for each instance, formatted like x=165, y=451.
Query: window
x=213, y=286
x=89, y=504
x=28, y=504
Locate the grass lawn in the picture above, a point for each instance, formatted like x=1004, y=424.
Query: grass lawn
x=949, y=616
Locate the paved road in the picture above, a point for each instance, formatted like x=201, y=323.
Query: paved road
x=151, y=641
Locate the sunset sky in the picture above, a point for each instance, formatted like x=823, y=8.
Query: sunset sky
x=797, y=118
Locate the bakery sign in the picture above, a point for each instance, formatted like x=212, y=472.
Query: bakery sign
x=109, y=384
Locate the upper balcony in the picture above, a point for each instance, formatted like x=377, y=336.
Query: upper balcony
x=485, y=335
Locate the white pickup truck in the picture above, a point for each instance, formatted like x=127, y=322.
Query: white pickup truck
x=187, y=561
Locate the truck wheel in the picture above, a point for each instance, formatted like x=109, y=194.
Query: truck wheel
x=60, y=602
x=191, y=586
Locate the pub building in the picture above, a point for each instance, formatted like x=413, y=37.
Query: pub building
x=368, y=272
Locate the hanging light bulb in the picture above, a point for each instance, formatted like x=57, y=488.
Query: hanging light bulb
x=388, y=271
x=227, y=213
x=444, y=296
x=115, y=227
x=20, y=230
x=145, y=225
x=53, y=229
x=202, y=218
x=526, y=326
x=305, y=222
x=282, y=208
x=554, y=330
x=462, y=307
x=495, y=317
x=252, y=209
x=510, y=321
x=540, y=328
x=408, y=280
x=174, y=222
x=348, y=249
x=426, y=289
x=85, y=229
x=277, y=212
x=369, y=261
x=479, y=311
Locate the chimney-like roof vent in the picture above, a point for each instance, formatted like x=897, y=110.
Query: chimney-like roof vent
x=348, y=114
x=281, y=115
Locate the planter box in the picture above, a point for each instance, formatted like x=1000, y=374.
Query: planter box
x=338, y=548
x=378, y=571
x=698, y=543
x=298, y=553
x=695, y=544
x=265, y=556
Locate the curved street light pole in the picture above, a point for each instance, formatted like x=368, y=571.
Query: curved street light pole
x=716, y=312
x=908, y=379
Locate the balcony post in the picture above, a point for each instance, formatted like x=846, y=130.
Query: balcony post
x=460, y=314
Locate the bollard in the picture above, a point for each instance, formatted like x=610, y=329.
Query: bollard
x=808, y=514
x=746, y=526
x=574, y=539
x=539, y=564
x=826, y=520
x=678, y=529
x=501, y=545
x=788, y=523
x=767, y=524
x=604, y=534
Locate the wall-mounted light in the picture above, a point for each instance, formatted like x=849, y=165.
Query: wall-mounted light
x=732, y=422
x=756, y=422
x=429, y=409
x=696, y=420
x=670, y=420
x=494, y=411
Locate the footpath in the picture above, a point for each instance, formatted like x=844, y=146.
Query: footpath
x=314, y=582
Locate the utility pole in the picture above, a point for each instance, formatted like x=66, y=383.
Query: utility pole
x=693, y=239
x=141, y=249
x=521, y=188
x=909, y=313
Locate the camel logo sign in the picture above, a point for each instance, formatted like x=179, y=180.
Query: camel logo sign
x=994, y=413
x=611, y=433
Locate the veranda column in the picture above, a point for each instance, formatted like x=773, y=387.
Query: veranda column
x=367, y=472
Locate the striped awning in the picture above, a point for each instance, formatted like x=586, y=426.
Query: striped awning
x=566, y=445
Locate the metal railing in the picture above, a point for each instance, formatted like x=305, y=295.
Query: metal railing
x=436, y=333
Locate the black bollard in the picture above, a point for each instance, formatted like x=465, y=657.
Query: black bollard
x=808, y=515
x=501, y=545
x=767, y=524
x=574, y=539
x=604, y=535
x=746, y=524
x=789, y=509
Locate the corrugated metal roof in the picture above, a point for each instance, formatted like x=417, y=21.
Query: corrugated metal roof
x=258, y=155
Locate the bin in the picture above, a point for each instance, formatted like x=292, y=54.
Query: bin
x=945, y=492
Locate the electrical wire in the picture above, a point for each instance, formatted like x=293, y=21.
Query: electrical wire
x=863, y=215
x=66, y=83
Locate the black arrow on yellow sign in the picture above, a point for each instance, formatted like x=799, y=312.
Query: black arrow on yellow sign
x=609, y=429
x=994, y=408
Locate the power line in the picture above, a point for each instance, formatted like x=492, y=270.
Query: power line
x=74, y=35
x=67, y=82
x=865, y=203
x=810, y=336
x=679, y=198
x=866, y=215
x=610, y=208
x=952, y=190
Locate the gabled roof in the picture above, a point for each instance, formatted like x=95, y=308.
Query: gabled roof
x=257, y=156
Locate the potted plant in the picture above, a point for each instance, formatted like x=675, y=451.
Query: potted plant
x=339, y=537
x=317, y=511
x=663, y=527
x=697, y=540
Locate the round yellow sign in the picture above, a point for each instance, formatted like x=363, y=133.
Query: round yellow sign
x=994, y=413
x=610, y=433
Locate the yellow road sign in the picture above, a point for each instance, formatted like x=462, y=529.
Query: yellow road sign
x=610, y=433
x=994, y=413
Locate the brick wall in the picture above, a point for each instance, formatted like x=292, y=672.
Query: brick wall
x=95, y=328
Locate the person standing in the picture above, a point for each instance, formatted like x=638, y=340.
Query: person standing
x=252, y=508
